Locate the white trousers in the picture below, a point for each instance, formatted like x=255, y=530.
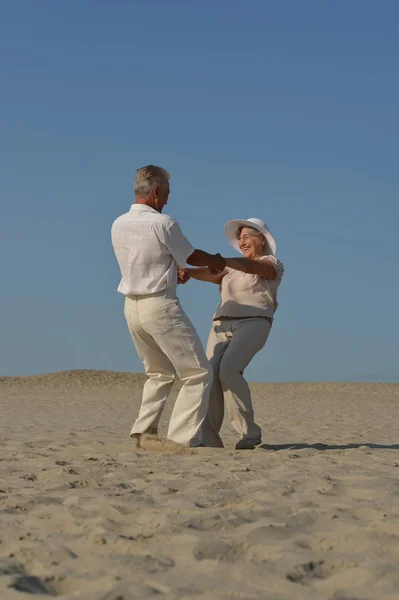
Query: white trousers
x=231, y=347
x=167, y=343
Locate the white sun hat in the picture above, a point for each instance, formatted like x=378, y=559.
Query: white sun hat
x=231, y=228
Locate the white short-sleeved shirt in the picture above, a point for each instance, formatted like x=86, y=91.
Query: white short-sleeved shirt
x=149, y=246
x=247, y=295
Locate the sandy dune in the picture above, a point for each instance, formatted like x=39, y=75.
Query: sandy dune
x=313, y=514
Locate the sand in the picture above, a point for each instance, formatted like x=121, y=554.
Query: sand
x=312, y=514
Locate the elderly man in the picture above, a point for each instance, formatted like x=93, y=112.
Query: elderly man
x=150, y=247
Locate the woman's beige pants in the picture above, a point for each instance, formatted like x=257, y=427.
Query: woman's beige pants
x=231, y=347
x=167, y=343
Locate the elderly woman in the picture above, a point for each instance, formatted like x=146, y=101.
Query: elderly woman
x=241, y=326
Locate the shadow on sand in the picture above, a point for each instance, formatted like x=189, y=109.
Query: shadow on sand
x=322, y=447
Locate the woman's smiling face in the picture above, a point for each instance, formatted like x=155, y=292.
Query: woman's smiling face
x=251, y=243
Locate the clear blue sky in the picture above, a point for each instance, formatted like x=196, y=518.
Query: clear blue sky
x=286, y=111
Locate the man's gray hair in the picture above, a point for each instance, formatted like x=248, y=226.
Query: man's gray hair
x=149, y=177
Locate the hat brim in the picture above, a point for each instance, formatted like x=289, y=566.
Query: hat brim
x=231, y=227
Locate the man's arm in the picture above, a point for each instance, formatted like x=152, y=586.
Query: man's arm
x=204, y=274
x=200, y=258
x=183, y=252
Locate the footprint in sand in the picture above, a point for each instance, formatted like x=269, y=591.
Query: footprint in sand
x=264, y=534
x=32, y=585
x=10, y=568
x=216, y=549
x=306, y=573
x=23, y=582
x=208, y=523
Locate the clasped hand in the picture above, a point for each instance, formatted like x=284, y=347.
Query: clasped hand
x=216, y=265
x=183, y=275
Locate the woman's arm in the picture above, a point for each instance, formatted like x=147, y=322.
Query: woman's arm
x=254, y=266
x=204, y=274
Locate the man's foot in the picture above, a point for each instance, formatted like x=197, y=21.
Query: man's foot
x=137, y=438
x=153, y=431
x=247, y=444
x=151, y=436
